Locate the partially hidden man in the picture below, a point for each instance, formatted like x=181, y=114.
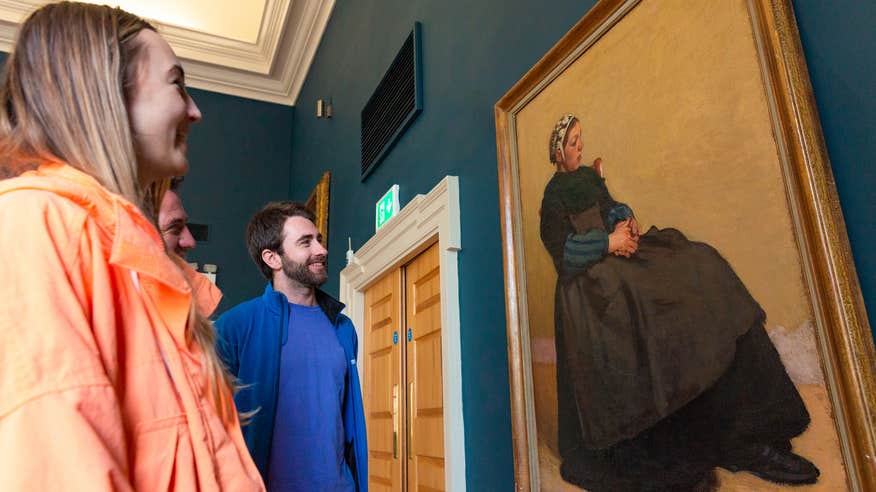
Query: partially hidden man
x=294, y=354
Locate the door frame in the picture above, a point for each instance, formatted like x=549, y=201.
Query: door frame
x=425, y=220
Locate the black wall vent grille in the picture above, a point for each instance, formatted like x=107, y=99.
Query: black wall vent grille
x=394, y=105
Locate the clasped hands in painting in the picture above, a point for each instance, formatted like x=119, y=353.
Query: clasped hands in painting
x=624, y=241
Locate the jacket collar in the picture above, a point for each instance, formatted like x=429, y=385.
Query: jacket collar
x=144, y=255
x=277, y=302
x=136, y=244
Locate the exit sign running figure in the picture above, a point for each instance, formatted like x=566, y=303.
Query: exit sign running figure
x=386, y=208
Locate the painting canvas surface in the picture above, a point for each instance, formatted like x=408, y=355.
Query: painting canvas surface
x=674, y=104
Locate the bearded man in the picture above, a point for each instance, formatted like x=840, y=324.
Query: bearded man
x=294, y=356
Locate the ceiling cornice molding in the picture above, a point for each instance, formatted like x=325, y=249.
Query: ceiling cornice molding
x=190, y=44
x=272, y=69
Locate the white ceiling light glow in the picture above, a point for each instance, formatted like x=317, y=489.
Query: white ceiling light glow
x=258, y=49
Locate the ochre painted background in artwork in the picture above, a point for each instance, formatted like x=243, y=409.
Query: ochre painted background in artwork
x=675, y=105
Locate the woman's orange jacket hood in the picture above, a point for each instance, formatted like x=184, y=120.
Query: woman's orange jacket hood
x=100, y=388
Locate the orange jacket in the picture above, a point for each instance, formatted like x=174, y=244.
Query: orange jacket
x=99, y=389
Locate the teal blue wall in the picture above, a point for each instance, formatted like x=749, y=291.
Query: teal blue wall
x=839, y=41
x=473, y=53
x=239, y=158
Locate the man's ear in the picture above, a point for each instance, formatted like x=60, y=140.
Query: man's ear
x=272, y=259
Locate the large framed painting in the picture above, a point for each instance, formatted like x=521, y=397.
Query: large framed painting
x=683, y=311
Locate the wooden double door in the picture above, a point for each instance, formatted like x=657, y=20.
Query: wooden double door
x=403, y=393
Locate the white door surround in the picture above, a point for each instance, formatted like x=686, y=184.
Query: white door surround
x=423, y=220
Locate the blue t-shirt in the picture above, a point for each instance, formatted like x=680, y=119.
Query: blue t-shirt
x=307, y=447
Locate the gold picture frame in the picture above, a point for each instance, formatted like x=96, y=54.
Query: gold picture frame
x=583, y=72
x=318, y=203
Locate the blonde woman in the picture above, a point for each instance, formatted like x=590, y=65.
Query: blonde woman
x=110, y=377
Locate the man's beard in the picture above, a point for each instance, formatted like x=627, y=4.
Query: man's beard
x=300, y=273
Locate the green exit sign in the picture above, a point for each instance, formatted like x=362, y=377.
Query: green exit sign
x=386, y=207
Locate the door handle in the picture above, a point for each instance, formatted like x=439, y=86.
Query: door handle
x=410, y=420
x=395, y=421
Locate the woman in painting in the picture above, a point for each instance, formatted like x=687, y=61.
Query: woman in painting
x=664, y=369
x=110, y=377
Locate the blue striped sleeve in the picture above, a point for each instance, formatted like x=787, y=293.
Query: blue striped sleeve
x=582, y=250
x=618, y=213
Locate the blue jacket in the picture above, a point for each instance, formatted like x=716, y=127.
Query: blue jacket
x=251, y=336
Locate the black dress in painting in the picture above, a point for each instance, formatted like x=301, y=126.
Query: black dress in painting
x=663, y=364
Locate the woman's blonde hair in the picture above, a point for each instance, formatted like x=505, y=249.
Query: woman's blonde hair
x=64, y=93
x=65, y=96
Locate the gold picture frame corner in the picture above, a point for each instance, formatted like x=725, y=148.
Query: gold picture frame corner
x=318, y=203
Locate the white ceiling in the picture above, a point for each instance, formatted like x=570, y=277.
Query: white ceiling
x=258, y=49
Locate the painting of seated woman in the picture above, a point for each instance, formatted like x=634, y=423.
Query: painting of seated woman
x=682, y=310
x=664, y=370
